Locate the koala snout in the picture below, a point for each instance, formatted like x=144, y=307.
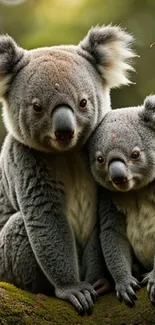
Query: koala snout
x=65, y=135
x=118, y=172
x=64, y=123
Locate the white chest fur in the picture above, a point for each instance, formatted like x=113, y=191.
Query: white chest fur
x=139, y=209
x=80, y=193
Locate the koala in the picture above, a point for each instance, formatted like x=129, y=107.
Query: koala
x=53, y=99
x=122, y=160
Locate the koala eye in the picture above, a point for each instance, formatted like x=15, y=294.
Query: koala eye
x=83, y=104
x=135, y=154
x=100, y=159
x=37, y=108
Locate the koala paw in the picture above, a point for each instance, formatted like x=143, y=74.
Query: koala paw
x=149, y=279
x=102, y=286
x=126, y=291
x=82, y=296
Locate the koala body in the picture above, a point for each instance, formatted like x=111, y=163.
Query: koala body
x=122, y=157
x=139, y=210
x=53, y=98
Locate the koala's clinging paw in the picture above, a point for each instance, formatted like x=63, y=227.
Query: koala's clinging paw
x=150, y=280
x=82, y=296
x=125, y=291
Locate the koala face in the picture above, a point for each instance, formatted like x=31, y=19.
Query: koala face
x=52, y=104
x=122, y=149
x=54, y=97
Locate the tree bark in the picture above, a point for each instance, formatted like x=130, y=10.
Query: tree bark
x=19, y=307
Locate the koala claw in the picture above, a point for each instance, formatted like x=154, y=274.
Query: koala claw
x=150, y=280
x=82, y=296
x=126, y=291
x=152, y=293
x=102, y=286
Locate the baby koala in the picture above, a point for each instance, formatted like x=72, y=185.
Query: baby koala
x=122, y=159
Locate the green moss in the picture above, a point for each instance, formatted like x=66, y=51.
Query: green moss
x=22, y=308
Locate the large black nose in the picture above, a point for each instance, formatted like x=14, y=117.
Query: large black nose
x=118, y=172
x=65, y=134
x=64, y=123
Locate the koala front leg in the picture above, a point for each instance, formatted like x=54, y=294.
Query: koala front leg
x=41, y=202
x=18, y=263
x=117, y=251
x=94, y=269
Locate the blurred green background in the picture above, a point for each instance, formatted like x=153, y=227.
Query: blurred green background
x=37, y=23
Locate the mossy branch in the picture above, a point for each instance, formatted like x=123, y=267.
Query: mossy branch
x=18, y=307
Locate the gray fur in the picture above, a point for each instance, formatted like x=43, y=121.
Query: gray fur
x=130, y=177
x=48, y=196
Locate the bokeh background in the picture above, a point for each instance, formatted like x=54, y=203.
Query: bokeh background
x=36, y=23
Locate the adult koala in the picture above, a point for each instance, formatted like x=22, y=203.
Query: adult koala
x=53, y=98
x=122, y=155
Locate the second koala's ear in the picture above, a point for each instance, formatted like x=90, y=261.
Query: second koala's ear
x=110, y=47
x=10, y=57
x=148, y=112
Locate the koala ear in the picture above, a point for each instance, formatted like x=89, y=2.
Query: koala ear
x=110, y=47
x=10, y=56
x=148, y=112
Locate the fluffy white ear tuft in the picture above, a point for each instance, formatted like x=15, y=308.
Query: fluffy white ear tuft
x=10, y=55
x=147, y=113
x=111, y=50
x=149, y=103
x=149, y=109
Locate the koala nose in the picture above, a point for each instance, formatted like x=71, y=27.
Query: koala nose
x=118, y=172
x=64, y=134
x=64, y=123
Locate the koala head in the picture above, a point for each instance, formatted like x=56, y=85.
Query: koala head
x=54, y=97
x=122, y=148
